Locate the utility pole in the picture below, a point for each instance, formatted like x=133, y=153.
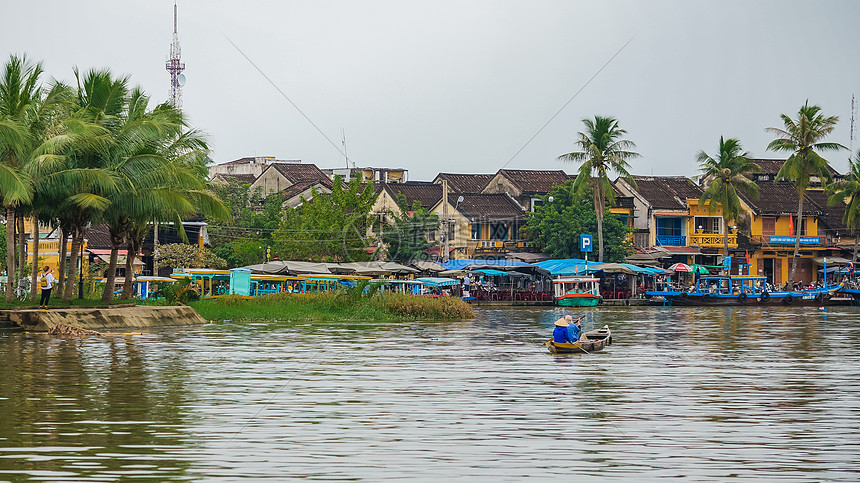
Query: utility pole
x=155, y=248
x=445, y=220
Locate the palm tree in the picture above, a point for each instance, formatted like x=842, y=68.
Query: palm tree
x=19, y=92
x=724, y=176
x=802, y=138
x=100, y=103
x=132, y=156
x=45, y=129
x=161, y=180
x=602, y=149
x=847, y=190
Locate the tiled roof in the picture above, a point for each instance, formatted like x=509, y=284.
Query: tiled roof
x=489, y=207
x=667, y=192
x=772, y=166
x=239, y=161
x=534, y=181
x=98, y=236
x=236, y=178
x=831, y=216
x=465, y=183
x=428, y=194
x=295, y=172
x=301, y=186
x=778, y=199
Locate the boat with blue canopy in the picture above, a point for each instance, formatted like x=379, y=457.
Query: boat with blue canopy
x=739, y=290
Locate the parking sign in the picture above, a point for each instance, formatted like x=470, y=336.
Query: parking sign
x=585, y=244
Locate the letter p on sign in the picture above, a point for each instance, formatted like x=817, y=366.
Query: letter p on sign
x=585, y=244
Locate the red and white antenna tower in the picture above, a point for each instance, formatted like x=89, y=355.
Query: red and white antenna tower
x=175, y=66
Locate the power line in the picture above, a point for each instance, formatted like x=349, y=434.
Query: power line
x=568, y=102
x=287, y=98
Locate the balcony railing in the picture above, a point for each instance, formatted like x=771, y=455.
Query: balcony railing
x=712, y=240
x=672, y=241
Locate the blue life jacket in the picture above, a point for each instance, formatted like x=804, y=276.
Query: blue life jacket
x=560, y=334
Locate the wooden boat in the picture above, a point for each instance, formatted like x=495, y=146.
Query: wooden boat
x=592, y=341
x=740, y=290
x=576, y=291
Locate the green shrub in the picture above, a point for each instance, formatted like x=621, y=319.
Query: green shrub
x=334, y=306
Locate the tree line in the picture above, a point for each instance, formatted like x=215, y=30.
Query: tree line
x=97, y=152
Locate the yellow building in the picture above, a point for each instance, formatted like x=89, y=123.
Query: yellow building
x=773, y=229
x=669, y=218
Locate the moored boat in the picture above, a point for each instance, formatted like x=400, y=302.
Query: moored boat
x=576, y=291
x=741, y=290
x=591, y=341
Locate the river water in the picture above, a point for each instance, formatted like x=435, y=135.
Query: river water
x=705, y=394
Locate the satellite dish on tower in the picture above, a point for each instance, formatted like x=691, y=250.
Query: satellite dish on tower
x=181, y=79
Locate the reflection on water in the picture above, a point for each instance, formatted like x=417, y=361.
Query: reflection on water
x=697, y=393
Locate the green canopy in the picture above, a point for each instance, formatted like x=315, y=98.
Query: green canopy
x=696, y=268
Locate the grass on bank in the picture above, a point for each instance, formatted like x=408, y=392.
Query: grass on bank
x=333, y=306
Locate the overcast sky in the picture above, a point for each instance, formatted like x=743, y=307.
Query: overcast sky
x=461, y=86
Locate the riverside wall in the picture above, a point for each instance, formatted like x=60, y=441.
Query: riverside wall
x=96, y=318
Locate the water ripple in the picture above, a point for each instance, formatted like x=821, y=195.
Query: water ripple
x=703, y=394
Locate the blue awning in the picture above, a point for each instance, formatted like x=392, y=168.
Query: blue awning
x=644, y=270
x=437, y=281
x=492, y=273
x=465, y=263
x=567, y=266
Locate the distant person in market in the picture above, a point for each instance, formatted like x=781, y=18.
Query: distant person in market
x=560, y=333
x=466, y=283
x=46, y=283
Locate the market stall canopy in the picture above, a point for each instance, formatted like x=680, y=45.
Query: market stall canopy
x=581, y=269
x=359, y=268
x=290, y=268
x=465, y=263
x=502, y=265
x=565, y=266
x=428, y=266
x=372, y=268
x=680, y=267
x=437, y=281
x=453, y=273
x=647, y=258
x=701, y=269
x=615, y=268
x=645, y=270
x=529, y=257
x=491, y=272
x=833, y=260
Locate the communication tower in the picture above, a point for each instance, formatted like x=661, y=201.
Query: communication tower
x=175, y=67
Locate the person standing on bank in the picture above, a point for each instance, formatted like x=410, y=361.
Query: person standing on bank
x=46, y=282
